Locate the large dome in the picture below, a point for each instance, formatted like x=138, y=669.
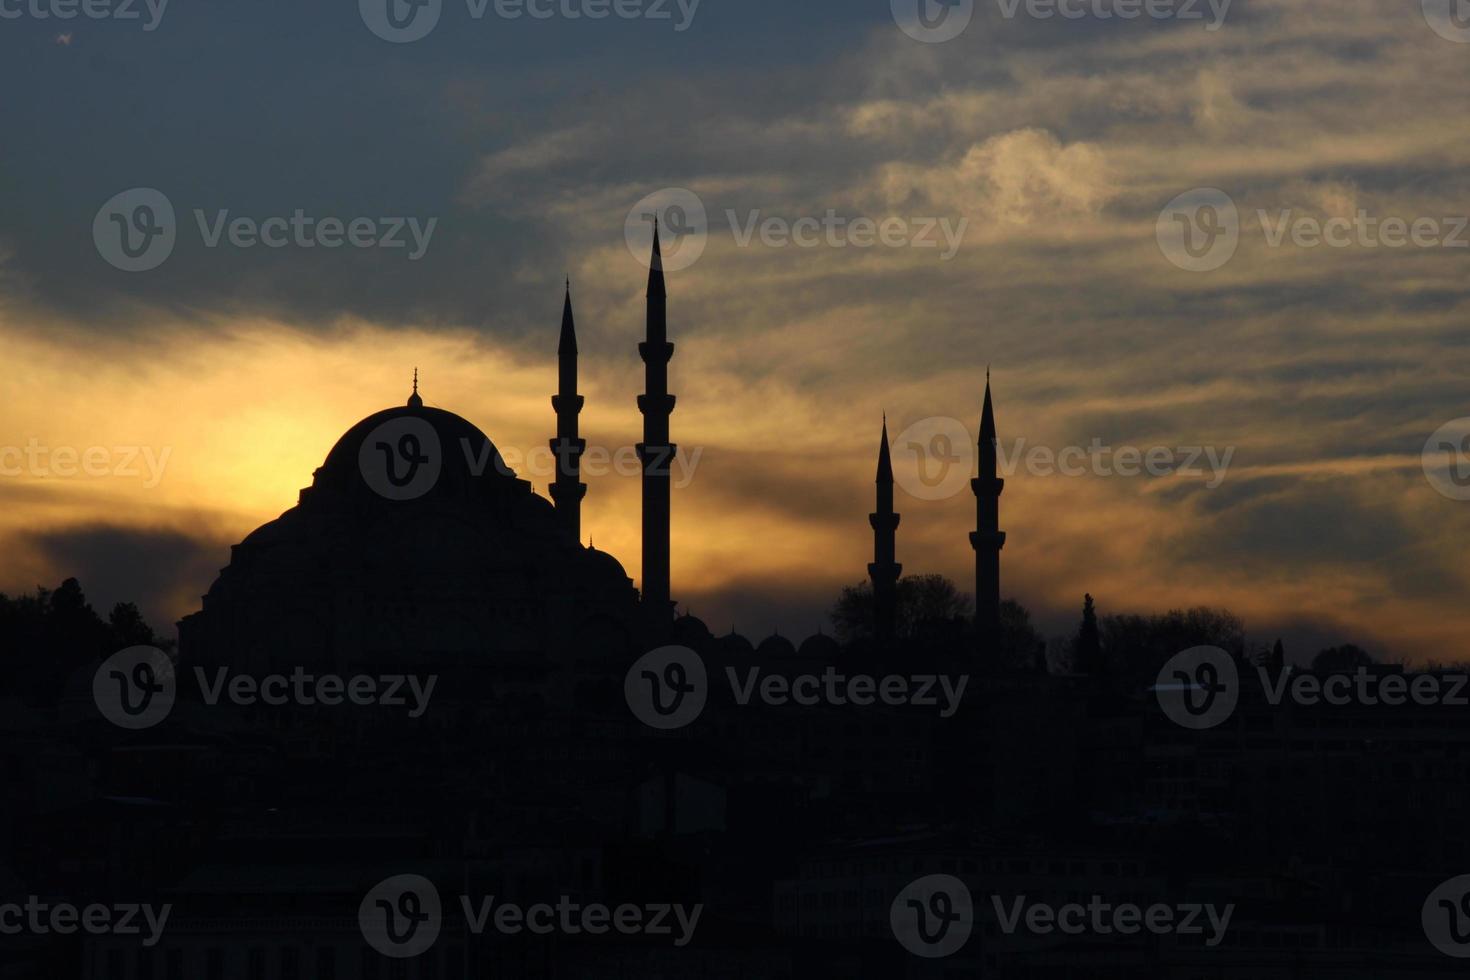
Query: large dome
x=413, y=541
x=410, y=452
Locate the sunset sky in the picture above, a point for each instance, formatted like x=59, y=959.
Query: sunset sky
x=1055, y=143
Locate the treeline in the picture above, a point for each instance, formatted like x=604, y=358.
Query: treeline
x=1130, y=647
x=47, y=637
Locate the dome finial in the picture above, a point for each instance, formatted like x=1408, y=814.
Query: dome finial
x=414, y=401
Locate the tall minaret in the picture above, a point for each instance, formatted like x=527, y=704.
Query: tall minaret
x=656, y=451
x=987, y=538
x=567, y=448
x=883, y=570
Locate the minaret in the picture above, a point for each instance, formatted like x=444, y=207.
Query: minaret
x=568, y=490
x=656, y=451
x=987, y=538
x=884, y=571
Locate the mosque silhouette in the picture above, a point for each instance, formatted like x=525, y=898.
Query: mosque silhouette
x=584, y=745
x=417, y=543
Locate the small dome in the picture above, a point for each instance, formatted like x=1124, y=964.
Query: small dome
x=820, y=647
x=775, y=645
x=602, y=563
x=688, y=629
x=735, y=645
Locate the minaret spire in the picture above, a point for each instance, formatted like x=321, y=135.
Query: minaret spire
x=567, y=490
x=656, y=451
x=884, y=570
x=414, y=401
x=987, y=538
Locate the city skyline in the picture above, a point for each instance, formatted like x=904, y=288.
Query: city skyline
x=1057, y=147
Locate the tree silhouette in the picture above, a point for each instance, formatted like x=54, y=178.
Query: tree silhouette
x=1335, y=660
x=46, y=637
x=1087, y=655
x=928, y=608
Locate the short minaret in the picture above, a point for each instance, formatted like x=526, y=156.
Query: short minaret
x=987, y=538
x=567, y=490
x=656, y=451
x=883, y=570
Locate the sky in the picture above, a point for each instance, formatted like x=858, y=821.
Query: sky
x=1214, y=257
